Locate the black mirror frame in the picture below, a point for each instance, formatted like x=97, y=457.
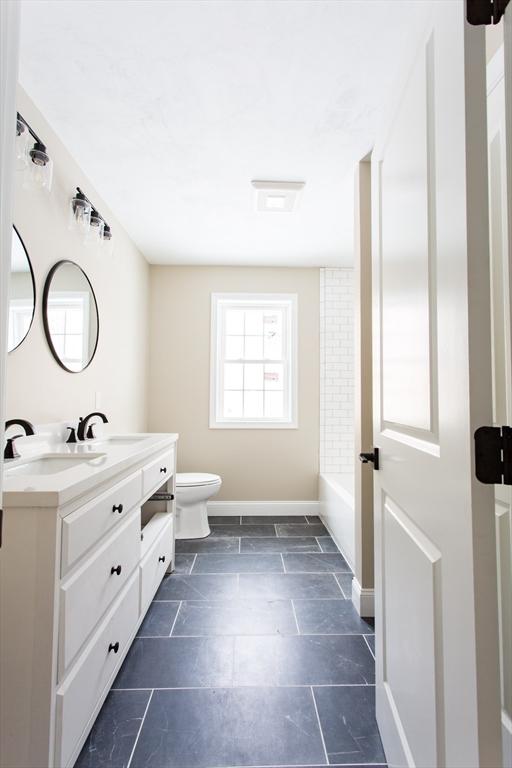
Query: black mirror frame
x=47, y=333
x=33, y=290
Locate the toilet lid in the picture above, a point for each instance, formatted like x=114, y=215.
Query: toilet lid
x=195, y=478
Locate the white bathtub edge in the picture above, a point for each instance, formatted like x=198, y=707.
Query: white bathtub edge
x=337, y=513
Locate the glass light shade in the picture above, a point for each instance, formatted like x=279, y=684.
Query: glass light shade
x=39, y=171
x=21, y=145
x=96, y=225
x=80, y=213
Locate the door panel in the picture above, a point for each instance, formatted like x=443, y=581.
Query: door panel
x=410, y=647
x=407, y=222
x=436, y=609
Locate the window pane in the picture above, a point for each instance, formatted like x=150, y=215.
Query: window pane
x=73, y=347
x=253, y=405
x=75, y=320
x=253, y=347
x=273, y=347
x=56, y=320
x=58, y=343
x=273, y=322
x=233, y=404
x=253, y=376
x=274, y=404
x=274, y=377
x=233, y=376
x=234, y=322
x=234, y=347
x=253, y=322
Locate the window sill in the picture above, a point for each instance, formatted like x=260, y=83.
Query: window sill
x=253, y=425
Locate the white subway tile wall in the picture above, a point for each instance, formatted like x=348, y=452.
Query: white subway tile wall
x=337, y=370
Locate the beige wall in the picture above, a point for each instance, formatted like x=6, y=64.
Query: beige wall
x=255, y=464
x=37, y=388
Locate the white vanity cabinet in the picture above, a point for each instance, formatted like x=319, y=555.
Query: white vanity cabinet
x=77, y=574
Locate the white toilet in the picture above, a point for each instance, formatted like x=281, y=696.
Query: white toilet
x=193, y=489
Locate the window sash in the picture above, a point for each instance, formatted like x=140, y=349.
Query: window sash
x=286, y=306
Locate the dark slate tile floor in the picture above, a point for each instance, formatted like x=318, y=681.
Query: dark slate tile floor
x=251, y=654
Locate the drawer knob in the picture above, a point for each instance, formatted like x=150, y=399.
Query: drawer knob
x=163, y=469
x=114, y=647
x=161, y=559
x=115, y=570
x=117, y=508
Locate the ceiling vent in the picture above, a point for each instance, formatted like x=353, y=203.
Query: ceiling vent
x=277, y=196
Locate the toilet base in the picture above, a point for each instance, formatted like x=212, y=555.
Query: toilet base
x=192, y=521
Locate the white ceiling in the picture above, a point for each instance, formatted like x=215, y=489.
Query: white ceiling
x=172, y=108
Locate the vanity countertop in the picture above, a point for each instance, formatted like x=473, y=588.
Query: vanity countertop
x=110, y=455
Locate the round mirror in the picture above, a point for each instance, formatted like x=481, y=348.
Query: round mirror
x=70, y=315
x=22, y=293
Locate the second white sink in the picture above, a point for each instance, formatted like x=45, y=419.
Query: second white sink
x=50, y=464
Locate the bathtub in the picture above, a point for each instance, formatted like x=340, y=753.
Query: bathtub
x=336, y=495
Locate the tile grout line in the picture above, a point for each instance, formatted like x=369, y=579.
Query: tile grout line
x=269, y=573
x=230, y=687
x=319, y=725
x=339, y=585
x=174, y=622
x=246, y=635
x=267, y=598
x=140, y=727
x=295, y=617
x=282, y=560
x=369, y=648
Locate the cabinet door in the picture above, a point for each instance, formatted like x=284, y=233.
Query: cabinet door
x=86, y=595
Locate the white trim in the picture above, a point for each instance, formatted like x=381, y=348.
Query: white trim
x=495, y=69
x=288, y=302
x=363, y=599
x=263, y=508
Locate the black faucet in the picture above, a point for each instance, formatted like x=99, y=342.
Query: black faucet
x=10, y=451
x=81, y=432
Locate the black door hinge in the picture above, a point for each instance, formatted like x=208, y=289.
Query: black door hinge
x=485, y=11
x=493, y=455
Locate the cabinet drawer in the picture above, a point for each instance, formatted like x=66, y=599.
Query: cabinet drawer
x=87, y=594
x=78, y=696
x=87, y=525
x=158, y=471
x=153, y=567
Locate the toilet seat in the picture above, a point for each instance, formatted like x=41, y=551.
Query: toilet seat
x=193, y=479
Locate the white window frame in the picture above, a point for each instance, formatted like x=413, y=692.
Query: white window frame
x=220, y=301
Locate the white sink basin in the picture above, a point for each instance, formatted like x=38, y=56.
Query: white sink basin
x=49, y=464
x=121, y=440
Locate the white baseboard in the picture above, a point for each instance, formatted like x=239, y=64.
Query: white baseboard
x=263, y=508
x=363, y=599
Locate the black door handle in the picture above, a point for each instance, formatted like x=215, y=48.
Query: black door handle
x=114, y=647
x=371, y=457
x=117, y=508
x=163, y=469
x=161, y=559
x=115, y=570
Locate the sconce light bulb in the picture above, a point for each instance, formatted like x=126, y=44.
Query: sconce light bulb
x=39, y=155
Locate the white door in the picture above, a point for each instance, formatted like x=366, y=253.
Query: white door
x=435, y=563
